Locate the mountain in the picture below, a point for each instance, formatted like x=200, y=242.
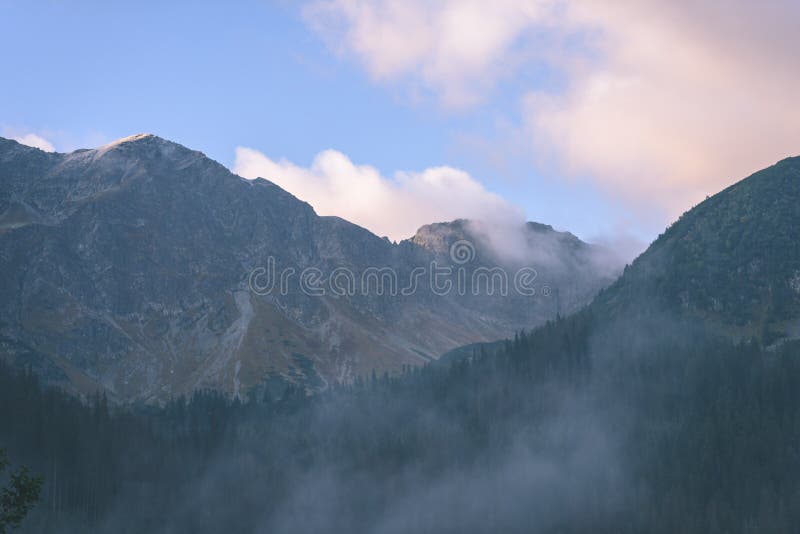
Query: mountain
x=641, y=412
x=732, y=263
x=147, y=270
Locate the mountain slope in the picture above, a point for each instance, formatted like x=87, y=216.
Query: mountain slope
x=733, y=261
x=130, y=268
x=625, y=417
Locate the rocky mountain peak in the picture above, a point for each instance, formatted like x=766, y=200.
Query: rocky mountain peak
x=437, y=237
x=129, y=267
x=143, y=145
x=504, y=242
x=134, y=138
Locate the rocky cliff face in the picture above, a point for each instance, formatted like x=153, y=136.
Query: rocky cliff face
x=147, y=270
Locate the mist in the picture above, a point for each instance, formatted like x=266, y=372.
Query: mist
x=513, y=241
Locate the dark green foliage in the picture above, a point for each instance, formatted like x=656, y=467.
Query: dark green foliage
x=18, y=496
x=553, y=433
x=734, y=259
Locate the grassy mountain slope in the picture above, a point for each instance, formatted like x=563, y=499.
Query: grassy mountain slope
x=733, y=261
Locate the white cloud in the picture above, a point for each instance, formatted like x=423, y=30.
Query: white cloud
x=392, y=206
x=34, y=140
x=664, y=102
x=456, y=48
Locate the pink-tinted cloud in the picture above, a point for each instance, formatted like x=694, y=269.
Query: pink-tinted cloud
x=687, y=98
x=664, y=102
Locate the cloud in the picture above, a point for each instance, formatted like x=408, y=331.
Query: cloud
x=684, y=101
x=48, y=139
x=662, y=102
x=455, y=48
x=392, y=206
x=34, y=140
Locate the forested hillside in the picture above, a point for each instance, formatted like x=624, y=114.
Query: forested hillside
x=670, y=404
x=667, y=437
x=732, y=262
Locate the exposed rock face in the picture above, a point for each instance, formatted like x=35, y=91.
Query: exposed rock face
x=132, y=268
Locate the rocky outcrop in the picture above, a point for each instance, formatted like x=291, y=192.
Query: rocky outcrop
x=143, y=268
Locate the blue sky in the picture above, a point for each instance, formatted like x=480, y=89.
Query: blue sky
x=271, y=77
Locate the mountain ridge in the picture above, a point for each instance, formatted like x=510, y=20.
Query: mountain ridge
x=128, y=270
x=732, y=261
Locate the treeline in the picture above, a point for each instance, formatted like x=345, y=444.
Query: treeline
x=558, y=431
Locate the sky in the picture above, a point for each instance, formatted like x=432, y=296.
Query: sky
x=607, y=119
